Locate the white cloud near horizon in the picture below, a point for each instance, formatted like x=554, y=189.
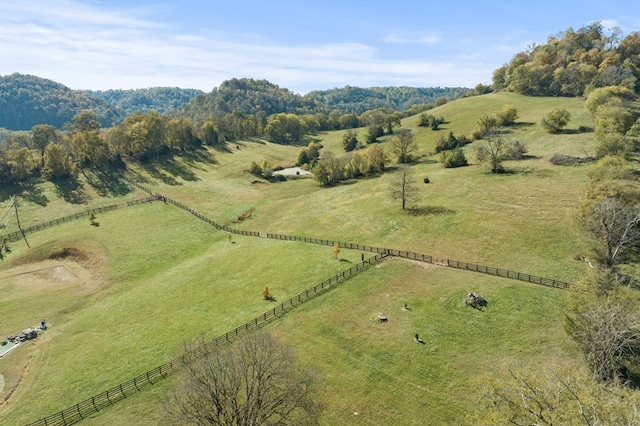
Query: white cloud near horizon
x=88, y=47
x=105, y=45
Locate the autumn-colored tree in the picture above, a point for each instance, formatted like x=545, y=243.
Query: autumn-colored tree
x=336, y=249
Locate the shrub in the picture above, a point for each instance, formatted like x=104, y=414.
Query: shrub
x=426, y=180
x=556, y=120
x=255, y=169
x=516, y=150
x=452, y=159
x=558, y=159
x=446, y=144
x=463, y=140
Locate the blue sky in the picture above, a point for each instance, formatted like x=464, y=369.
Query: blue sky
x=297, y=44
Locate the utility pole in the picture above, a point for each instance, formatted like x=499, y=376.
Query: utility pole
x=15, y=204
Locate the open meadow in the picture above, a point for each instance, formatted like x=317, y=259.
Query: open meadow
x=121, y=297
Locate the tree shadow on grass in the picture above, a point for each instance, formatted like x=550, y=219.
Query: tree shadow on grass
x=521, y=125
x=34, y=194
x=71, y=190
x=179, y=165
x=428, y=210
x=108, y=182
x=156, y=172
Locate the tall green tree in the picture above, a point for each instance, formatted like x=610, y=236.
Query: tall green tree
x=285, y=128
x=41, y=136
x=377, y=159
x=180, y=134
x=350, y=140
x=57, y=161
x=21, y=164
x=391, y=121
x=402, y=145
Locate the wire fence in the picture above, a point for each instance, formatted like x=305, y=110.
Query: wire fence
x=120, y=392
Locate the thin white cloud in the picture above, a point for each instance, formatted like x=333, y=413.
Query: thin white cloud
x=85, y=46
x=429, y=40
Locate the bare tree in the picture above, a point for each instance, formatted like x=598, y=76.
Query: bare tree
x=613, y=226
x=402, y=186
x=608, y=332
x=603, y=319
x=560, y=395
x=254, y=382
x=402, y=145
x=496, y=150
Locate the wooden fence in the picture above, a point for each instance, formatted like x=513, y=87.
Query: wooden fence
x=119, y=392
x=92, y=405
x=398, y=253
x=17, y=235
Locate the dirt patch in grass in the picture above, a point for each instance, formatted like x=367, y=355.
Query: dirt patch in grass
x=49, y=282
x=69, y=253
x=34, y=278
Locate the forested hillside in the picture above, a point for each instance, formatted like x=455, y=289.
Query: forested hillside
x=160, y=99
x=27, y=100
x=573, y=64
x=358, y=100
x=248, y=96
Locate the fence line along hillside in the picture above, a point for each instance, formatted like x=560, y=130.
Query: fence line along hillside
x=120, y=392
x=505, y=273
x=91, y=405
x=17, y=235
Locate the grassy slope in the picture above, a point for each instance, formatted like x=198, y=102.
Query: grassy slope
x=184, y=278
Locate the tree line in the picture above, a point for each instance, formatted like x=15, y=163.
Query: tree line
x=574, y=63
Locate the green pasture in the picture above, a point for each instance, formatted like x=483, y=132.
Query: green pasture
x=521, y=220
x=373, y=373
x=154, y=276
x=168, y=277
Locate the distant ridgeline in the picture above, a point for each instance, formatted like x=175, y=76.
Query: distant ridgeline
x=160, y=99
x=27, y=100
x=250, y=96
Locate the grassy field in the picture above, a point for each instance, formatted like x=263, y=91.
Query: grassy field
x=152, y=276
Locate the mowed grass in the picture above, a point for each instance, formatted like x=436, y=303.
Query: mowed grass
x=157, y=276
x=168, y=277
x=373, y=373
x=521, y=220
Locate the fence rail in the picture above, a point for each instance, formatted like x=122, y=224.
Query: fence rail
x=398, y=253
x=92, y=405
x=17, y=235
x=119, y=392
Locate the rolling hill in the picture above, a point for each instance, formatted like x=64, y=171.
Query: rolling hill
x=152, y=276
